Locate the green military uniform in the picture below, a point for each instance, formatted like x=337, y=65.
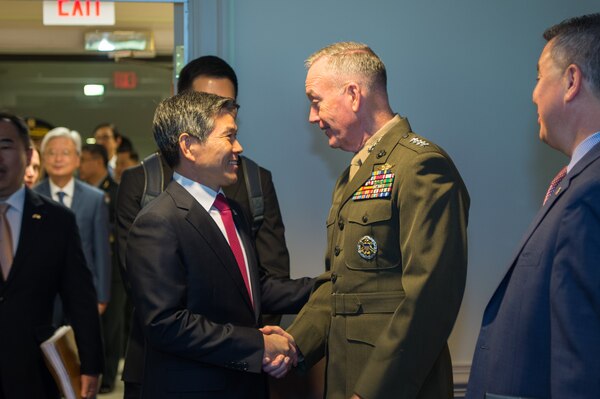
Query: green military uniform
x=396, y=260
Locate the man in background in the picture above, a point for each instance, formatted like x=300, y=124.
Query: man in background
x=127, y=157
x=61, y=150
x=93, y=170
x=108, y=136
x=539, y=335
x=40, y=258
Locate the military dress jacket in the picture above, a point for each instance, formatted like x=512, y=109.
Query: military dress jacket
x=396, y=260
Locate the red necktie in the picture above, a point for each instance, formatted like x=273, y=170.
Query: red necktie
x=225, y=211
x=554, y=183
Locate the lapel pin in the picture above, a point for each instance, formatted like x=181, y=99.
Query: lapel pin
x=36, y=216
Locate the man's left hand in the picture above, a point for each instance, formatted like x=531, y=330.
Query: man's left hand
x=89, y=386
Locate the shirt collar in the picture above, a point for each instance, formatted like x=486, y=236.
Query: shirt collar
x=203, y=194
x=17, y=200
x=366, y=149
x=68, y=189
x=583, y=149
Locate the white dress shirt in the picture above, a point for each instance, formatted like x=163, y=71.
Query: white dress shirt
x=206, y=197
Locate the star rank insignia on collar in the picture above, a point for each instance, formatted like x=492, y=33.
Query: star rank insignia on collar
x=418, y=142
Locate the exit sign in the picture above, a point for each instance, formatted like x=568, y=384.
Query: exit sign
x=79, y=12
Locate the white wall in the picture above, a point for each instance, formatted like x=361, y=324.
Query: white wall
x=461, y=71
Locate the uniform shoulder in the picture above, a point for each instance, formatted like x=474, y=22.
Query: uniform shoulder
x=417, y=143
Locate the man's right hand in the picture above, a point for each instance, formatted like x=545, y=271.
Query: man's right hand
x=280, y=351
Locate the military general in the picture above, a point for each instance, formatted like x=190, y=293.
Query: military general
x=396, y=242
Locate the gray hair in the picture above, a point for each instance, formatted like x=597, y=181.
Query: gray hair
x=188, y=112
x=62, y=132
x=352, y=58
x=577, y=41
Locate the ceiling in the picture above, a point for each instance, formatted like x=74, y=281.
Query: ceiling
x=22, y=30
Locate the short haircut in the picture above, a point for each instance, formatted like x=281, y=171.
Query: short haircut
x=111, y=126
x=97, y=150
x=126, y=145
x=20, y=125
x=352, y=58
x=188, y=112
x=208, y=65
x=62, y=132
x=577, y=41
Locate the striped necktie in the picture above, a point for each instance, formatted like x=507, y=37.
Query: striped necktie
x=6, y=244
x=554, y=183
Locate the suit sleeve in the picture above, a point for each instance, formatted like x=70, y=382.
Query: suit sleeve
x=575, y=301
x=79, y=299
x=159, y=286
x=433, y=206
x=127, y=207
x=272, y=252
x=102, y=249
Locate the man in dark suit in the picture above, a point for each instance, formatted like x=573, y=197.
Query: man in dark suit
x=212, y=75
x=46, y=261
x=540, y=335
x=93, y=170
x=197, y=288
x=61, y=149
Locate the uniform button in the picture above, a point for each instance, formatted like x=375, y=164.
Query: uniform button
x=365, y=219
x=333, y=277
x=341, y=224
x=381, y=154
x=337, y=250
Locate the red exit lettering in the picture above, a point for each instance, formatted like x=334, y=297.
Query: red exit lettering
x=126, y=80
x=78, y=8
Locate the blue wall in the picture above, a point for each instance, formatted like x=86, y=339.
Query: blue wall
x=461, y=71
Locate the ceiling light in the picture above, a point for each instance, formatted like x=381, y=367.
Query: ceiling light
x=93, y=90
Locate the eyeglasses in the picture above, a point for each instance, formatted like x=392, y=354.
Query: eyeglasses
x=54, y=154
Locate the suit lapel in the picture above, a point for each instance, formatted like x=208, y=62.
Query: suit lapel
x=253, y=268
x=208, y=230
x=590, y=157
x=33, y=217
x=77, y=201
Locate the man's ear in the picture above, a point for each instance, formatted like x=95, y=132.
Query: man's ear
x=354, y=93
x=573, y=82
x=185, y=143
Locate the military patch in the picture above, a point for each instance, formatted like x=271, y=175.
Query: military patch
x=379, y=184
x=418, y=142
x=367, y=247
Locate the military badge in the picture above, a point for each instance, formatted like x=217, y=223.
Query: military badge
x=379, y=184
x=418, y=142
x=367, y=247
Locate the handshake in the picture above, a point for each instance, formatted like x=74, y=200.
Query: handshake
x=281, y=353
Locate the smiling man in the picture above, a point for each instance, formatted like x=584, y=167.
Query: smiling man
x=196, y=284
x=397, y=244
x=540, y=332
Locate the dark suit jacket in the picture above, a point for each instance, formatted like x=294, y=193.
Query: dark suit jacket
x=91, y=213
x=198, y=320
x=48, y=261
x=270, y=239
x=540, y=335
